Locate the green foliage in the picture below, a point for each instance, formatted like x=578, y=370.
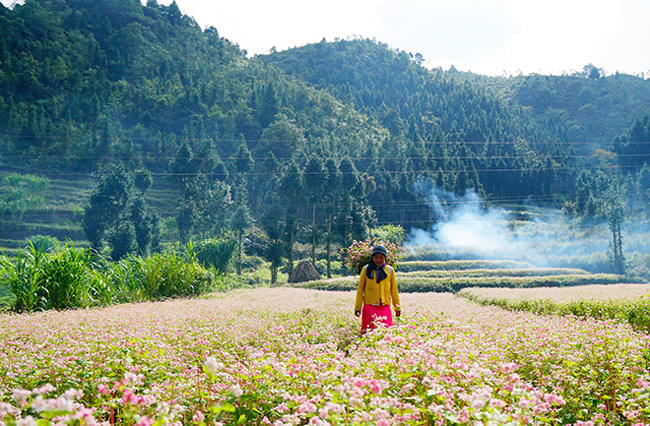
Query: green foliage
x=162, y=276
x=20, y=192
x=440, y=265
x=24, y=276
x=65, y=277
x=392, y=233
x=589, y=110
x=65, y=283
x=216, y=254
x=119, y=215
x=84, y=83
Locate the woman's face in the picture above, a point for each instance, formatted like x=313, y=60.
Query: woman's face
x=379, y=259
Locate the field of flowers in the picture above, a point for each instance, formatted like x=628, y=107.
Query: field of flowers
x=285, y=356
x=592, y=292
x=623, y=302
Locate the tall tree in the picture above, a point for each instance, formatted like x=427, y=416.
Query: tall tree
x=291, y=189
x=315, y=178
x=115, y=213
x=183, y=171
x=273, y=225
x=241, y=221
x=331, y=197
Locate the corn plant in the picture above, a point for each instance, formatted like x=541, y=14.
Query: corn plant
x=65, y=278
x=215, y=253
x=118, y=282
x=24, y=276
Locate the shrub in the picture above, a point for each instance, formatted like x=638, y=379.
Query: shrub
x=358, y=254
x=215, y=253
x=48, y=243
x=180, y=277
x=155, y=277
x=65, y=279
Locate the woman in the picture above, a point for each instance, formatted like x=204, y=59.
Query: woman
x=377, y=290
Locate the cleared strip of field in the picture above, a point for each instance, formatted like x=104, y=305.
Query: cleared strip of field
x=453, y=265
x=423, y=284
x=536, y=272
x=564, y=294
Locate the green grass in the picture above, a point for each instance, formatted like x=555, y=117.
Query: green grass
x=496, y=272
x=422, y=284
x=455, y=265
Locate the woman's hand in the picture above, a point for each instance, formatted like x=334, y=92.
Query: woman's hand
x=357, y=313
x=398, y=313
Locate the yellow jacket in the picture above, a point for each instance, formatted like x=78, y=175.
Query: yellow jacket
x=371, y=293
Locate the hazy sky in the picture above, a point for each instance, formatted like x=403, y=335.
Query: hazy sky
x=484, y=36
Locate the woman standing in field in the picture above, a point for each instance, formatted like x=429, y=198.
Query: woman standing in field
x=377, y=290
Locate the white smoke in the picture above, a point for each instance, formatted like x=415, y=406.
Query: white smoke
x=465, y=228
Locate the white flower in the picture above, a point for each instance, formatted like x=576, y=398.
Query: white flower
x=236, y=390
x=213, y=365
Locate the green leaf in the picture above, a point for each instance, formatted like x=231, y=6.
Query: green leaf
x=209, y=373
x=227, y=407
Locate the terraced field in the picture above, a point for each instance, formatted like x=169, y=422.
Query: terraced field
x=62, y=213
x=452, y=276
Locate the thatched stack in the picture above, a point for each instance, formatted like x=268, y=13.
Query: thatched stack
x=305, y=271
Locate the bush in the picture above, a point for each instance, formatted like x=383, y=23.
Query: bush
x=155, y=277
x=68, y=278
x=48, y=243
x=65, y=278
x=215, y=253
x=358, y=254
x=23, y=276
x=252, y=263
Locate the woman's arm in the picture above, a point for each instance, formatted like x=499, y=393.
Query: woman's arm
x=394, y=293
x=360, y=289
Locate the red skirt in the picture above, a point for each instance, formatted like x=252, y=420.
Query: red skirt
x=372, y=315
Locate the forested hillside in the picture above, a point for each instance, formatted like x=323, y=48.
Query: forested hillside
x=317, y=143
x=591, y=107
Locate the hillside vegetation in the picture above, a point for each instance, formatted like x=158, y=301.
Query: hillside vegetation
x=314, y=145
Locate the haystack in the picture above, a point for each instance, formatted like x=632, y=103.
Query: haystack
x=305, y=271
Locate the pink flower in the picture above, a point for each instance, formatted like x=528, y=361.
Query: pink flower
x=144, y=421
x=47, y=388
x=130, y=397
x=198, y=417
x=21, y=396
x=27, y=421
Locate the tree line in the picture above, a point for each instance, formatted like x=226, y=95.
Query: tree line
x=320, y=142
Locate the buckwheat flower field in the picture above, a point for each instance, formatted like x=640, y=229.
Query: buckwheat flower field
x=285, y=356
x=562, y=294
